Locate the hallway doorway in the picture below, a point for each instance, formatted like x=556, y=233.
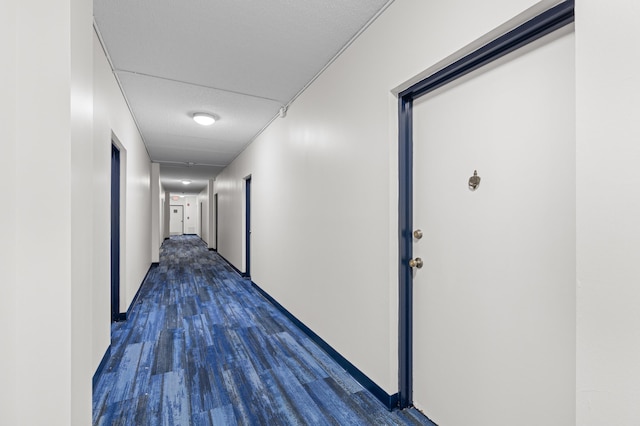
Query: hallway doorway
x=487, y=231
x=176, y=220
x=498, y=261
x=115, y=233
x=215, y=221
x=247, y=270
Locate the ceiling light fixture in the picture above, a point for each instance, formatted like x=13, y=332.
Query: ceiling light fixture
x=186, y=182
x=204, y=119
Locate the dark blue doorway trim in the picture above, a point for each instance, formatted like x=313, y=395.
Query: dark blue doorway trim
x=247, y=272
x=543, y=24
x=215, y=212
x=405, y=227
x=115, y=234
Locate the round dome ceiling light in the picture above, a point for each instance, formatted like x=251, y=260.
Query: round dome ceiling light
x=204, y=119
x=186, y=182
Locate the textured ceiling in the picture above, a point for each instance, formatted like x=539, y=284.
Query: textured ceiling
x=240, y=60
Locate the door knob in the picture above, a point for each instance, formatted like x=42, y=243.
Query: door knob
x=416, y=263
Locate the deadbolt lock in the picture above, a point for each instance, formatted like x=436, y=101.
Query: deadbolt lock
x=416, y=263
x=417, y=234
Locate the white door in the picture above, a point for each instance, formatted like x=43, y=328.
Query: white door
x=494, y=304
x=176, y=220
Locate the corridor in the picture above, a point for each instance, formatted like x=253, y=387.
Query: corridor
x=202, y=347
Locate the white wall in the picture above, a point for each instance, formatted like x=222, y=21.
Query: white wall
x=324, y=180
x=207, y=230
x=60, y=183
x=82, y=242
x=113, y=122
x=203, y=208
x=156, y=213
x=46, y=268
x=608, y=208
x=166, y=214
x=8, y=186
x=163, y=197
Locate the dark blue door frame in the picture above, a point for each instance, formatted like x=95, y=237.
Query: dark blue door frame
x=247, y=272
x=215, y=212
x=115, y=234
x=543, y=24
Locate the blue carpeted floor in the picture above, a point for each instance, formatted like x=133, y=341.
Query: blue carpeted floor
x=202, y=347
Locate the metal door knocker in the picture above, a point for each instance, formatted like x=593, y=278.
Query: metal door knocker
x=474, y=181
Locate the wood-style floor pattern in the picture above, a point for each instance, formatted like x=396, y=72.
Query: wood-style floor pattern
x=202, y=347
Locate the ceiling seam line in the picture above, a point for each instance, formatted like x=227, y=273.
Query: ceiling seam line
x=199, y=85
x=126, y=100
x=189, y=164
